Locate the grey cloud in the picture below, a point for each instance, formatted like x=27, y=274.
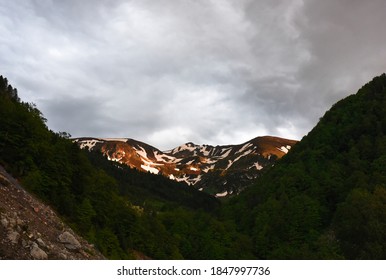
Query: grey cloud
x=346, y=48
x=79, y=116
x=167, y=72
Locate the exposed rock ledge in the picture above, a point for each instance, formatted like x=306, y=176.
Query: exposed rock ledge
x=30, y=229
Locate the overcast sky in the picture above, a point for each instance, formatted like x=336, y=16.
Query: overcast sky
x=207, y=71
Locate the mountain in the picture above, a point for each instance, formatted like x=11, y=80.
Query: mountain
x=327, y=198
x=219, y=170
x=125, y=213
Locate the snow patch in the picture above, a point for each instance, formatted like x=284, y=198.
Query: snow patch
x=177, y=160
x=257, y=165
x=148, y=162
x=190, y=181
x=188, y=147
x=228, y=150
x=141, y=152
x=183, y=179
x=207, y=169
x=190, y=162
x=236, y=159
x=113, y=159
x=230, y=162
x=115, y=139
x=283, y=149
x=243, y=148
x=163, y=157
x=223, y=194
x=89, y=143
x=209, y=161
x=150, y=169
x=204, y=151
x=195, y=180
x=117, y=159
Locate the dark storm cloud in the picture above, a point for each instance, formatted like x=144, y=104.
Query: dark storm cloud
x=322, y=51
x=168, y=72
x=346, y=48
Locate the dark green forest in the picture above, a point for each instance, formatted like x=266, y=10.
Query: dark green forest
x=326, y=199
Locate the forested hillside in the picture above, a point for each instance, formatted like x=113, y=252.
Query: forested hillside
x=124, y=213
x=327, y=198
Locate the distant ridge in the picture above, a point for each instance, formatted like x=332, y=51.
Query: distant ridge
x=219, y=170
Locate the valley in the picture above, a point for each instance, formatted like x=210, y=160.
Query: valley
x=323, y=197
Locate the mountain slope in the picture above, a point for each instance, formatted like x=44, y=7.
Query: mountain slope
x=32, y=230
x=327, y=197
x=215, y=169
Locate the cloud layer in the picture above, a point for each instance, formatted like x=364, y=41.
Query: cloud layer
x=168, y=72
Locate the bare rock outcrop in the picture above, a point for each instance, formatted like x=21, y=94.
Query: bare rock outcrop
x=69, y=241
x=29, y=229
x=37, y=253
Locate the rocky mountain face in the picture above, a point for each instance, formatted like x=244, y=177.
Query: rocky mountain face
x=218, y=170
x=29, y=229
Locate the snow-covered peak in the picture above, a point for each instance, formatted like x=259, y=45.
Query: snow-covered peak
x=204, y=167
x=185, y=147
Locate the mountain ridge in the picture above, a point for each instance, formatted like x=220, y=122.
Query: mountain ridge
x=219, y=170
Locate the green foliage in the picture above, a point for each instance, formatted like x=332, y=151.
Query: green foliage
x=360, y=224
x=201, y=236
x=85, y=214
x=323, y=199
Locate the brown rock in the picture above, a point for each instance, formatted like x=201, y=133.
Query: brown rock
x=41, y=243
x=13, y=236
x=37, y=253
x=69, y=241
x=4, y=222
